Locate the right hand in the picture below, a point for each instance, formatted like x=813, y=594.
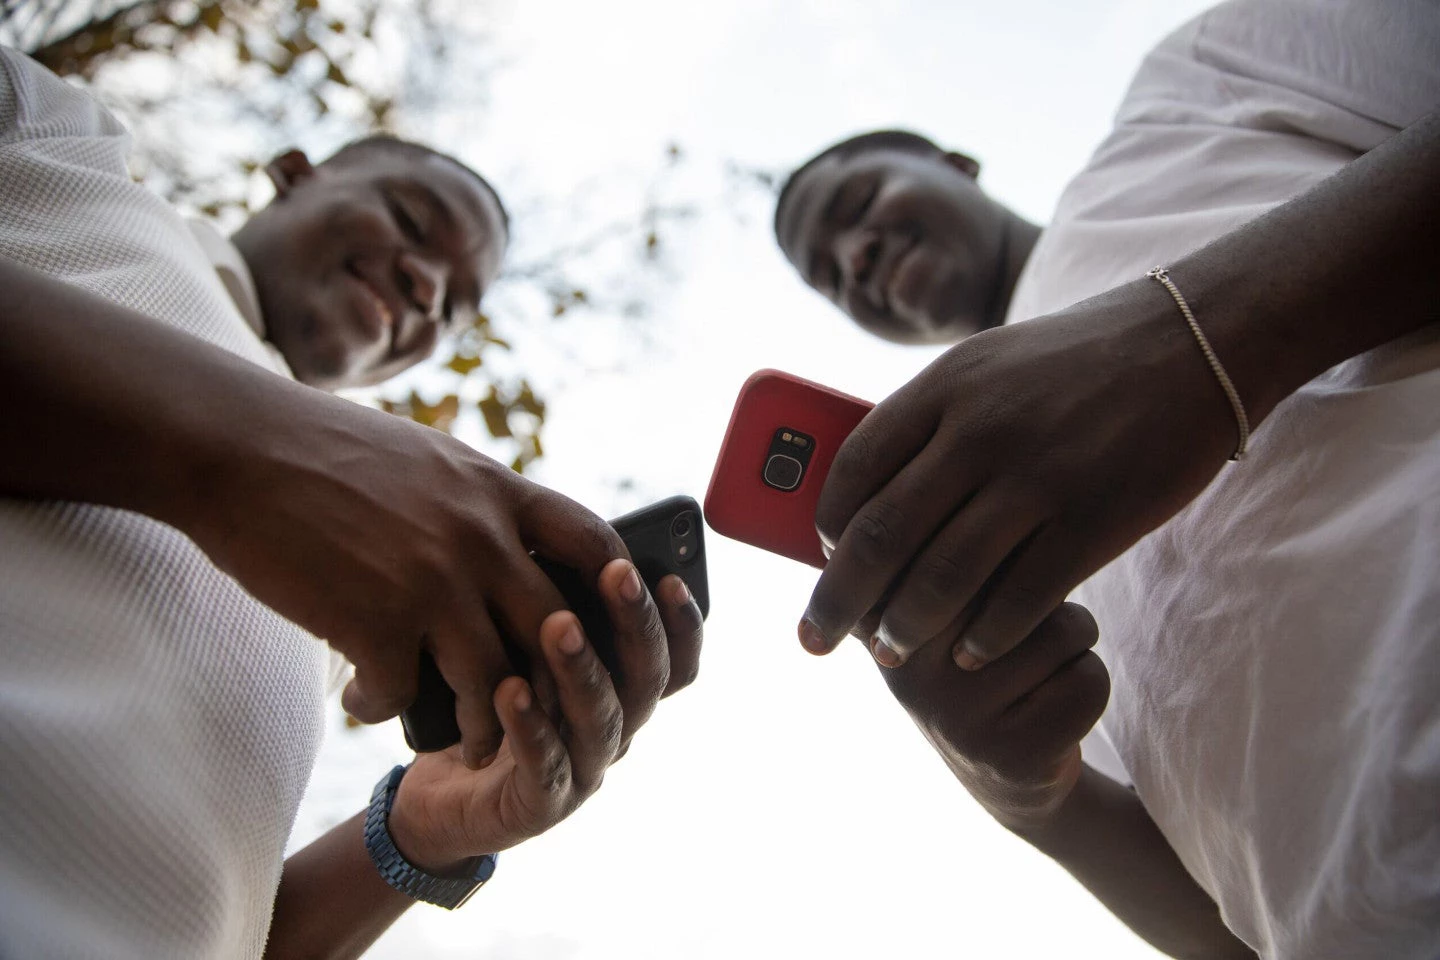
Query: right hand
x=548, y=766
x=1011, y=732
x=384, y=538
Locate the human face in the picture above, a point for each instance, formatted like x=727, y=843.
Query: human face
x=362, y=265
x=905, y=243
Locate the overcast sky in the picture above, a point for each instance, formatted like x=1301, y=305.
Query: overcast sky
x=784, y=806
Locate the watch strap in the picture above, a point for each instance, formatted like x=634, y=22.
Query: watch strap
x=447, y=892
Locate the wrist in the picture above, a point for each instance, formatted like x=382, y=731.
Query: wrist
x=1025, y=805
x=411, y=830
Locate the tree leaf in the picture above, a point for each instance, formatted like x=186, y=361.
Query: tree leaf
x=530, y=403
x=211, y=15
x=497, y=416
x=463, y=363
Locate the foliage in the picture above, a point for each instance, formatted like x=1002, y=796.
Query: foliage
x=250, y=78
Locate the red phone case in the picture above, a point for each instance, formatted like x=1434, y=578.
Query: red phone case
x=740, y=504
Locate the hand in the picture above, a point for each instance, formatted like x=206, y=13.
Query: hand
x=1021, y=461
x=384, y=537
x=445, y=813
x=1011, y=733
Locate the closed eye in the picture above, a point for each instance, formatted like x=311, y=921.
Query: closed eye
x=405, y=220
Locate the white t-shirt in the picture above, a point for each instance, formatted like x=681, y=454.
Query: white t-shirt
x=1275, y=648
x=157, y=725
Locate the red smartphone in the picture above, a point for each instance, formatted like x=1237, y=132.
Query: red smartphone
x=782, y=438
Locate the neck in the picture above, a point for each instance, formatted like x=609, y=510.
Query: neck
x=1017, y=239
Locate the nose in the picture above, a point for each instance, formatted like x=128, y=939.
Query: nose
x=857, y=251
x=422, y=281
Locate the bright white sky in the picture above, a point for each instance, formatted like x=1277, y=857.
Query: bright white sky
x=784, y=806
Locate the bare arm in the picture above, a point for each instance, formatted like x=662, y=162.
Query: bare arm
x=1011, y=735
x=1104, y=837
x=371, y=532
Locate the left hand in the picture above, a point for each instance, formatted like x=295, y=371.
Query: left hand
x=446, y=813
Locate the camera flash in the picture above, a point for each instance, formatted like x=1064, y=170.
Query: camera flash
x=786, y=437
x=683, y=550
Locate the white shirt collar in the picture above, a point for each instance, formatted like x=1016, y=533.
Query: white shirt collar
x=233, y=271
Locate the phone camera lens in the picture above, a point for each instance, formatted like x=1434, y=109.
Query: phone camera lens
x=783, y=472
x=682, y=525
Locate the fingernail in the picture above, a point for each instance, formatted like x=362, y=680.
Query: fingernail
x=523, y=700
x=681, y=593
x=811, y=638
x=966, y=658
x=630, y=589
x=885, y=655
x=572, y=641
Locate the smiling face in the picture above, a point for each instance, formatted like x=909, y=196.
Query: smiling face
x=901, y=238
x=363, y=262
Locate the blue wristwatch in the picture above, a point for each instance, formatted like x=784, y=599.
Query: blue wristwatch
x=447, y=892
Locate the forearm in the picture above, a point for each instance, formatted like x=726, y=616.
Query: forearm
x=104, y=405
x=1105, y=838
x=1345, y=267
x=332, y=901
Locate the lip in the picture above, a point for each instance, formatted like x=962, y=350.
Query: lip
x=885, y=278
x=379, y=314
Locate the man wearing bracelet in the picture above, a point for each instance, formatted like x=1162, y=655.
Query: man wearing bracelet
x=1266, y=777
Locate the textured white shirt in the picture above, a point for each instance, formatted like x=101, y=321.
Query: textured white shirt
x=157, y=725
x=1275, y=648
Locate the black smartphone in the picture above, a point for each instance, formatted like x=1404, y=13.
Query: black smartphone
x=665, y=537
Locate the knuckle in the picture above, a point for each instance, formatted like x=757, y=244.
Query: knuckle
x=555, y=774
x=875, y=529
x=937, y=574
x=1092, y=685
x=1076, y=622
x=683, y=679
x=612, y=726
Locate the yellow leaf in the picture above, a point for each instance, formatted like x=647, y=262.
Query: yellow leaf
x=212, y=16
x=497, y=419
x=463, y=364
x=336, y=75
x=530, y=403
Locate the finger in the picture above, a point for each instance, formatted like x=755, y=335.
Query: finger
x=384, y=682
x=878, y=543
x=684, y=632
x=641, y=665
x=588, y=702
x=945, y=576
x=542, y=766
x=1064, y=635
x=929, y=683
x=558, y=528
x=889, y=436
x=520, y=598
x=1058, y=713
x=472, y=659
x=1034, y=581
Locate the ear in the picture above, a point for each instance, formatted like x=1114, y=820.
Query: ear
x=290, y=168
x=966, y=164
